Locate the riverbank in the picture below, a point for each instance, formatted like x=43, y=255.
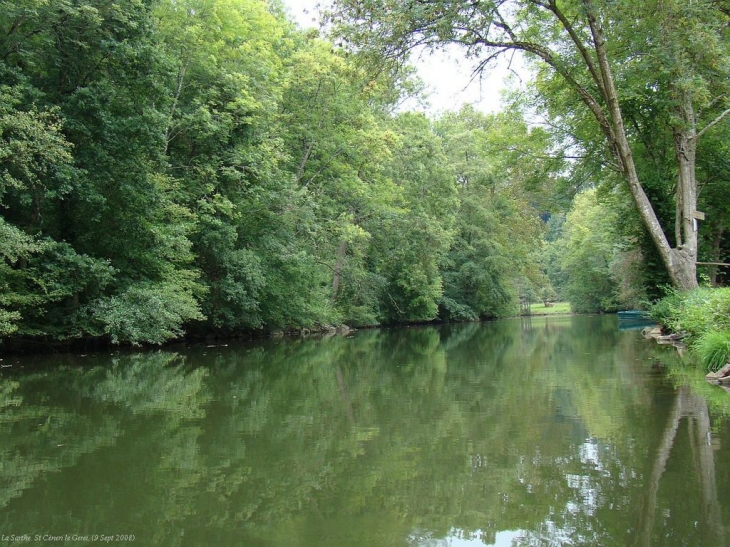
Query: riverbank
x=43, y=345
x=557, y=308
x=27, y=345
x=702, y=319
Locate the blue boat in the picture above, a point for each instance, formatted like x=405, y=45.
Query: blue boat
x=634, y=320
x=634, y=314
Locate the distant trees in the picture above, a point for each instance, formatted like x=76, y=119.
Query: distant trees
x=487, y=264
x=593, y=262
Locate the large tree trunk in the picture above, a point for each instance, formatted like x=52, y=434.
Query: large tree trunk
x=693, y=407
x=685, y=146
x=680, y=262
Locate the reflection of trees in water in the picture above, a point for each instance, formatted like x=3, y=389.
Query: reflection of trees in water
x=380, y=439
x=100, y=446
x=694, y=408
x=500, y=416
x=38, y=438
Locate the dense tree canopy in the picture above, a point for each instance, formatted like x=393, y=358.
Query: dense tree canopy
x=203, y=166
x=206, y=167
x=594, y=51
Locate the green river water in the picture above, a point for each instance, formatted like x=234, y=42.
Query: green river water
x=542, y=431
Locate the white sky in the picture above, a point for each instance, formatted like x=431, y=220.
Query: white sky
x=447, y=76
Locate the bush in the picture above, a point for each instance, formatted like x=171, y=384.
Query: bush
x=713, y=349
x=694, y=312
x=704, y=314
x=665, y=311
x=151, y=313
x=703, y=310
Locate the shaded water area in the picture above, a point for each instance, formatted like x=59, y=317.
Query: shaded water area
x=542, y=431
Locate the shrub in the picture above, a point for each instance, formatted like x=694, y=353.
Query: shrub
x=713, y=349
x=703, y=310
x=665, y=311
x=695, y=312
x=148, y=312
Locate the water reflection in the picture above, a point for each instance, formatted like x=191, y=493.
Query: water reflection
x=523, y=432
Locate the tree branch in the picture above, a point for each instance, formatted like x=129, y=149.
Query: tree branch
x=580, y=46
x=709, y=125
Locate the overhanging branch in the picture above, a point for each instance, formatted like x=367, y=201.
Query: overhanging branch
x=711, y=124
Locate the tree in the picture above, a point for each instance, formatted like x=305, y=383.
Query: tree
x=597, y=266
x=579, y=41
x=713, y=168
x=589, y=249
x=337, y=147
x=223, y=85
x=81, y=167
x=497, y=222
x=416, y=237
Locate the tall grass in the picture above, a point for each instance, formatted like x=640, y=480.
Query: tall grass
x=713, y=349
x=704, y=315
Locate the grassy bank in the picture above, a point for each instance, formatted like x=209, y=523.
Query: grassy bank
x=704, y=316
x=559, y=308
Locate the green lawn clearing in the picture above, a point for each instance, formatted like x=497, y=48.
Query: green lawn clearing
x=556, y=309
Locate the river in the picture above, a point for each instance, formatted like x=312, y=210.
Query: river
x=542, y=431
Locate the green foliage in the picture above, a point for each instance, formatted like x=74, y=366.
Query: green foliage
x=589, y=246
x=666, y=309
x=34, y=155
x=700, y=311
x=599, y=268
x=713, y=348
x=417, y=235
x=338, y=150
x=43, y=283
x=486, y=265
x=201, y=166
x=621, y=87
x=82, y=173
x=14, y=246
x=547, y=294
x=147, y=313
x=702, y=314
